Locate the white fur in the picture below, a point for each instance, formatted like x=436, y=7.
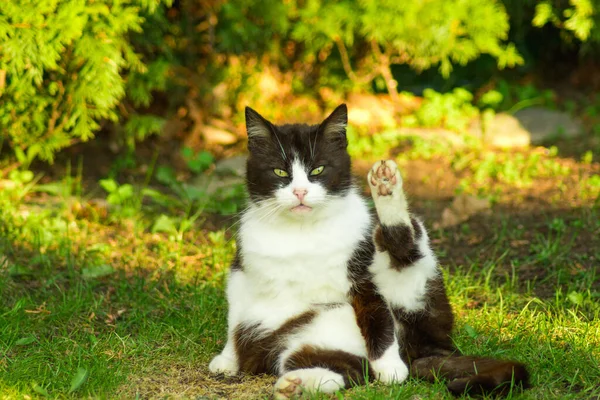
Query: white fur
x=308, y=380
x=390, y=367
x=406, y=288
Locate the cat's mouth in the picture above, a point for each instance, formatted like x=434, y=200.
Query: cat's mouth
x=301, y=208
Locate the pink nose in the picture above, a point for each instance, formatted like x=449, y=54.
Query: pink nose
x=300, y=193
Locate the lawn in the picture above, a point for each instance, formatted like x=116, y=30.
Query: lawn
x=122, y=296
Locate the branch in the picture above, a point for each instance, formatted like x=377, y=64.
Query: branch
x=348, y=67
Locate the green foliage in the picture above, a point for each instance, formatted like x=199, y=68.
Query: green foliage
x=62, y=69
x=577, y=20
x=453, y=110
x=420, y=34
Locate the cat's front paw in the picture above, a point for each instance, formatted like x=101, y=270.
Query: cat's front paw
x=388, y=371
x=223, y=365
x=384, y=178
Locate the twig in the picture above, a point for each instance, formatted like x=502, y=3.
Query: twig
x=348, y=68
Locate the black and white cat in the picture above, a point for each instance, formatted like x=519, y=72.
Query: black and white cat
x=322, y=295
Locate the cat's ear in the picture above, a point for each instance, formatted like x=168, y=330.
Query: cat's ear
x=257, y=126
x=334, y=126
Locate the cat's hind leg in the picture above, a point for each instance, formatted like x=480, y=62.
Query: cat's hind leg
x=311, y=369
x=309, y=380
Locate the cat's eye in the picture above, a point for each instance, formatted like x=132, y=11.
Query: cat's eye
x=280, y=172
x=317, y=170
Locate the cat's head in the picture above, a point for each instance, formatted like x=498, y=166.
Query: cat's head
x=297, y=170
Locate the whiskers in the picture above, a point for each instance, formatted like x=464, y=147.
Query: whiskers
x=262, y=210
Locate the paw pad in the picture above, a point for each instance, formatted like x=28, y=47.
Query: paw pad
x=384, y=178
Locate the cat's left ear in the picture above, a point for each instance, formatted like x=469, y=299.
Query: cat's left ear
x=334, y=126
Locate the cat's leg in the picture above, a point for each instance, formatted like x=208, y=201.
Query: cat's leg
x=404, y=263
x=377, y=326
x=325, y=355
x=311, y=369
x=227, y=362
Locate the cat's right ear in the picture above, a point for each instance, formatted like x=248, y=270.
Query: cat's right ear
x=256, y=126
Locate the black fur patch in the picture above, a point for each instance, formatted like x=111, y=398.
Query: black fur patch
x=257, y=350
x=353, y=368
x=400, y=242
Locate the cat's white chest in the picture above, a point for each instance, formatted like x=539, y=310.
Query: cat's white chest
x=303, y=263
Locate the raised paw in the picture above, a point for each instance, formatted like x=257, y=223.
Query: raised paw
x=287, y=386
x=223, y=365
x=384, y=178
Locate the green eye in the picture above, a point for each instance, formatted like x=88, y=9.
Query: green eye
x=317, y=170
x=280, y=172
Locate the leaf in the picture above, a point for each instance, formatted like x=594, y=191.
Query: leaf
x=166, y=175
x=97, y=271
x=575, y=298
x=200, y=162
x=25, y=341
x=79, y=379
x=39, y=389
x=109, y=185
x=187, y=152
x=17, y=270
x=471, y=331
x=164, y=223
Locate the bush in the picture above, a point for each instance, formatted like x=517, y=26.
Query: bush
x=64, y=68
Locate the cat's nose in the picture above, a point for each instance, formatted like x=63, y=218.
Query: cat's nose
x=300, y=193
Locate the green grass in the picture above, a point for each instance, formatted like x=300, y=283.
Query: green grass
x=93, y=303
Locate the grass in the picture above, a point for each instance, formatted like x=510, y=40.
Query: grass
x=96, y=303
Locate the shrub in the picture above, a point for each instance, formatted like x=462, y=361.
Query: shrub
x=63, y=68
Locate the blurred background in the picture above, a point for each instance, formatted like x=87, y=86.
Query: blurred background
x=122, y=156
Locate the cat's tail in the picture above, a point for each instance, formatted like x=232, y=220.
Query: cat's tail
x=472, y=375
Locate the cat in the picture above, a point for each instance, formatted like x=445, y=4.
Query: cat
x=325, y=295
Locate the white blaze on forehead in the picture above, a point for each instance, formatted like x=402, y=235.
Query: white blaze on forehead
x=299, y=177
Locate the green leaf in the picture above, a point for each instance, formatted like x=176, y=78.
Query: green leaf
x=39, y=389
x=471, y=331
x=187, y=152
x=109, y=185
x=164, y=223
x=575, y=298
x=97, y=271
x=79, y=379
x=166, y=175
x=25, y=341
x=17, y=270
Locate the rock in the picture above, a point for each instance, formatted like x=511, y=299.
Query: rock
x=214, y=135
x=228, y=172
x=234, y=165
x=544, y=124
x=506, y=131
x=462, y=208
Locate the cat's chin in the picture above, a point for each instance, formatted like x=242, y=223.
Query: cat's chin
x=301, y=209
